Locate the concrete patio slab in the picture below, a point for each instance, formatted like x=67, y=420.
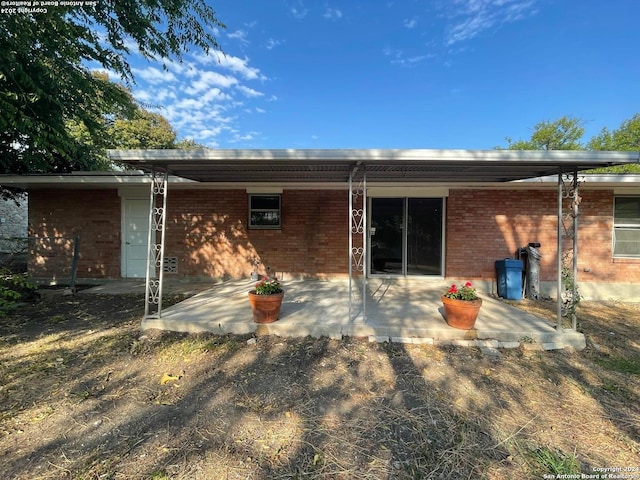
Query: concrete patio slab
x=397, y=309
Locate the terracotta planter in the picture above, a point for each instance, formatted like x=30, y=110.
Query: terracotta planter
x=265, y=308
x=461, y=314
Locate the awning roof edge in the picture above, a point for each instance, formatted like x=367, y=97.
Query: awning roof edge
x=333, y=165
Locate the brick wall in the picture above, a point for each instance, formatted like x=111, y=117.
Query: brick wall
x=56, y=217
x=483, y=226
x=207, y=231
x=595, y=248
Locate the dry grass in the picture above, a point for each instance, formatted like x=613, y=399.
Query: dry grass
x=85, y=395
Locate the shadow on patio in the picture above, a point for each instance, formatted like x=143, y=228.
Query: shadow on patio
x=398, y=310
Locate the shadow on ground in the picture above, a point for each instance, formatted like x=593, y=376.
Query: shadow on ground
x=85, y=394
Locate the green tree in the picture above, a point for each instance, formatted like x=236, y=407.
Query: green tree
x=144, y=130
x=625, y=138
x=45, y=82
x=188, y=144
x=139, y=129
x=561, y=134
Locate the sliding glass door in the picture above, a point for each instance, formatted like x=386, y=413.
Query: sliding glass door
x=406, y=236
x=386, y=233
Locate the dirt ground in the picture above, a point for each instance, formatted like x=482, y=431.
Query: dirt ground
x=84, y=394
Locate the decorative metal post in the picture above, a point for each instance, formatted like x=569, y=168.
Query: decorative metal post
x=568, y=294
x=357, y=233
x=155, y=254
x=559, y=259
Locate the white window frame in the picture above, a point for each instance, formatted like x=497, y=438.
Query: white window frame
x=262, y=210
x=619, y=226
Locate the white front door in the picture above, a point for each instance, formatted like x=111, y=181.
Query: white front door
x=135, y=236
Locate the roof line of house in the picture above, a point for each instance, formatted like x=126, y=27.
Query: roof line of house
x=372, y=155
x=139, y=178
x=338, y=165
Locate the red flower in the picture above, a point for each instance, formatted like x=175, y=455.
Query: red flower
x=468, y=284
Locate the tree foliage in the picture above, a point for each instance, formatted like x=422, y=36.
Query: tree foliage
x=625, y=138
x=144, y=130
x=51, y=105
x=566, y=133
x=139, y=129
x=561, y=134
x=188, y=144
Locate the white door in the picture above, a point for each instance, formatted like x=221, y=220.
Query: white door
x=135, y=237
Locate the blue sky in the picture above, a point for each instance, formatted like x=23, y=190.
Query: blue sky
x=401, y=73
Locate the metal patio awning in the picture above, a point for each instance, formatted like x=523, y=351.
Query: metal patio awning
x=334, y=165
x=342, y=166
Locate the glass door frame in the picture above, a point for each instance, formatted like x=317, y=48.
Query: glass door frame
x=405, y=221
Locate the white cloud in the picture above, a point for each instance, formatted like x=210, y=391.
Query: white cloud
x=332, y=14
x=143, y=96
x=214, y=94
x=240, y=35
x=208, y=79
x=164, y=95
x=131, y=46
x=271, y=44
x=398, y=57
x=213, y=57
x=154, y=75
x=243, y=138
x=241, y=66
x=250, y=92
x=299, y=13
x=210, y=132
x=201, y=96
x=410, y=23
x=475, y=16
x=189, y=104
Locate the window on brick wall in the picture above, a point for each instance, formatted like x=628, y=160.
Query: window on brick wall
x=264, y=211
x=626, y=227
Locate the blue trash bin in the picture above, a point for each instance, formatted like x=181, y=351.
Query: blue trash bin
x=509, y=273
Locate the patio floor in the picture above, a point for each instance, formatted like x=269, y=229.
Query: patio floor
x=397, y=309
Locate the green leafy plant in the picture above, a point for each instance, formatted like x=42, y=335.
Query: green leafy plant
x=268, y=286
x=556, y=462
x=466, y=292
x=14, y=287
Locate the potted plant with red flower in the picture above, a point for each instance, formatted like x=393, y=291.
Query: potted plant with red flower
x=266, y=300
x=461, y=306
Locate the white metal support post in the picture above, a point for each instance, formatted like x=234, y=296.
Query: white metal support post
x=357, y=234
x=155, y=254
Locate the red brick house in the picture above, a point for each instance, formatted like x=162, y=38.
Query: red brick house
x=443, y=214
